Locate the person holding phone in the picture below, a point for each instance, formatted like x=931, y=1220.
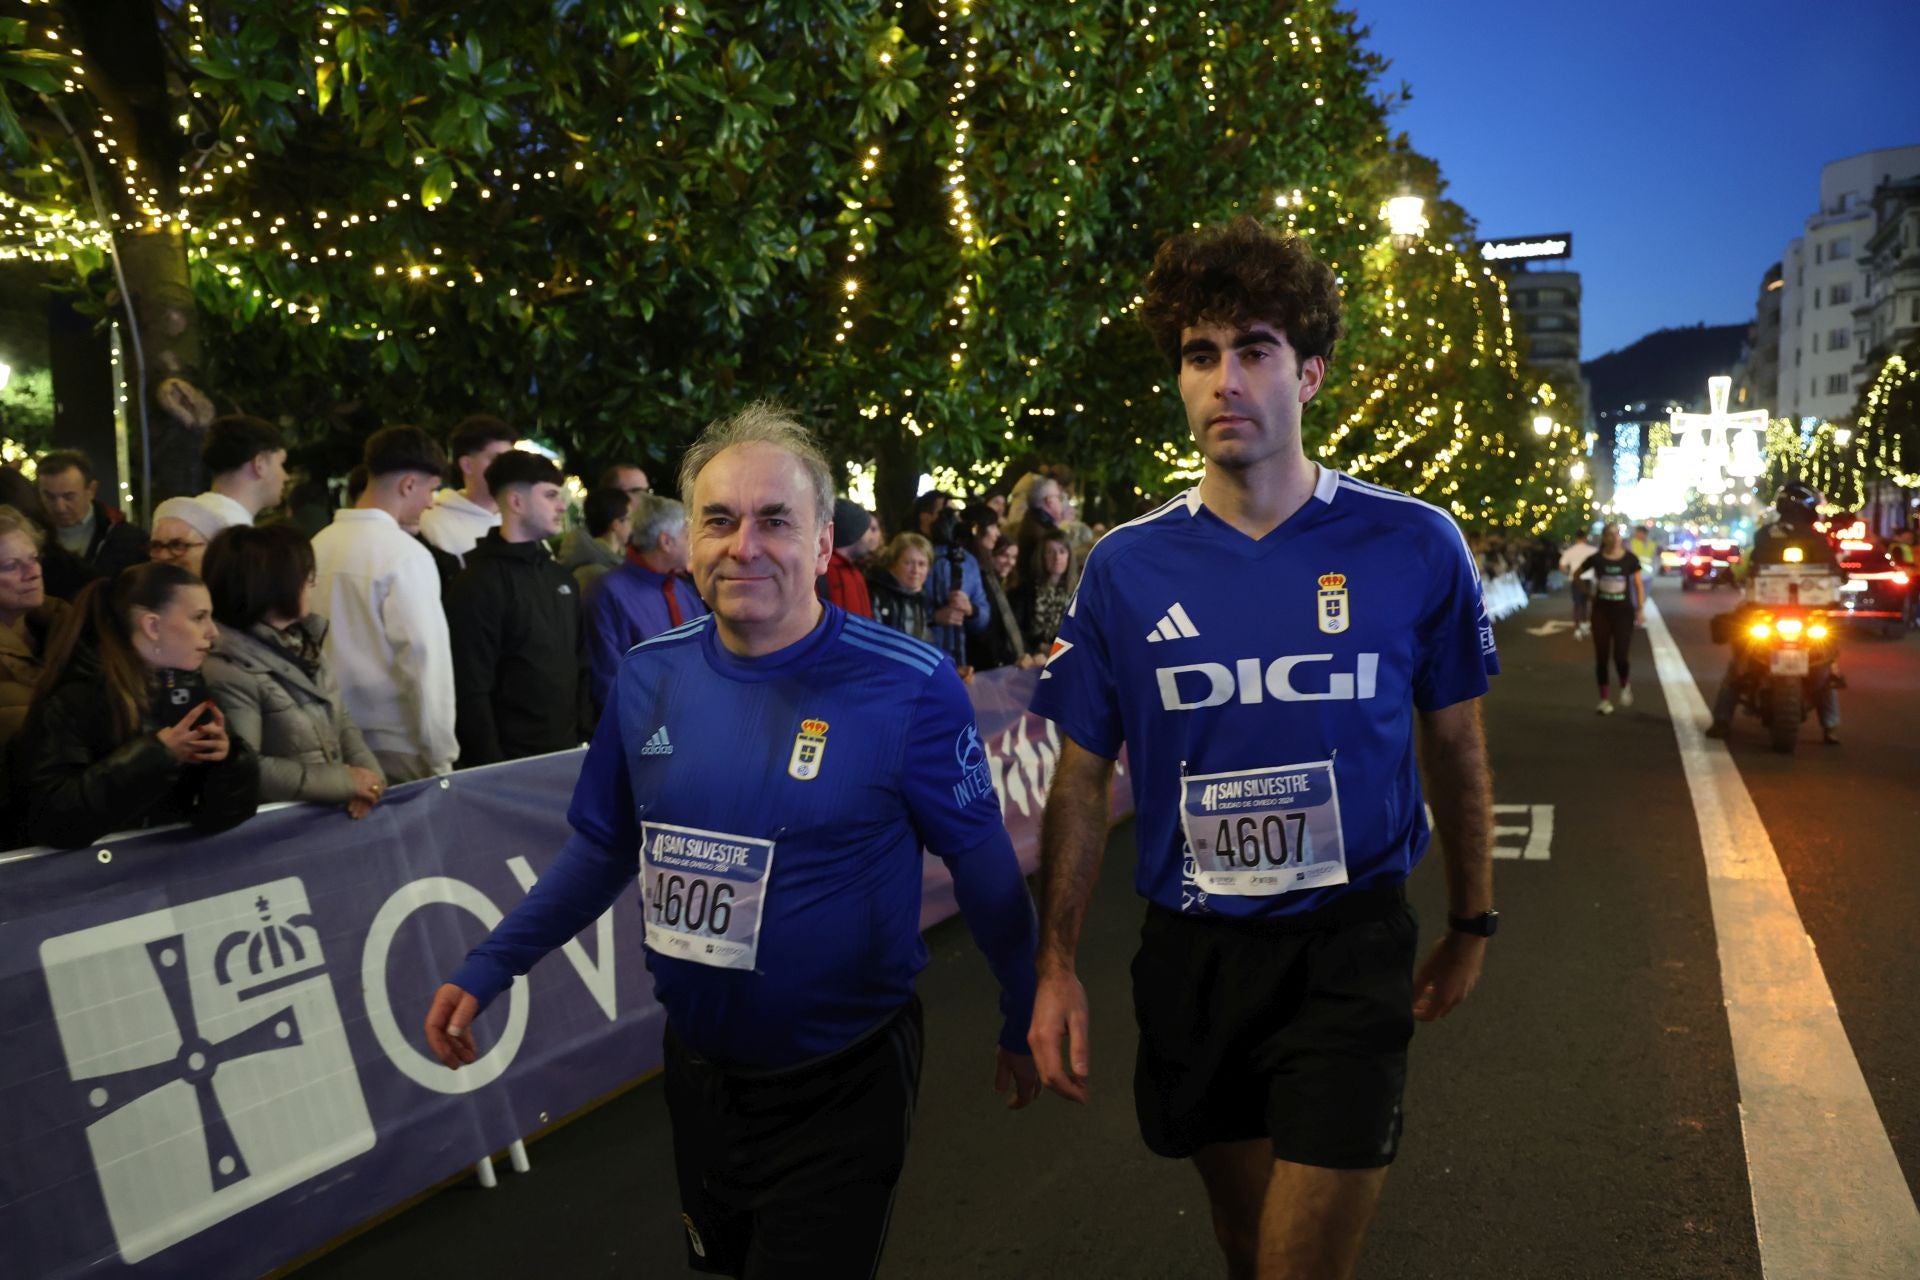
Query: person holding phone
x=122, y=732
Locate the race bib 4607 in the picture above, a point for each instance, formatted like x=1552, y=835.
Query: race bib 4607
x=704, y=892
x=1261, y=832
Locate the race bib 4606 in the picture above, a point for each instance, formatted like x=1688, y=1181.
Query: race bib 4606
x=704, y=892
x=1261, y=832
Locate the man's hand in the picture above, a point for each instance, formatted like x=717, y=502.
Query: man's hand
x=450, y=1026
x=948, y=616
x=958, y=602
x=1015, y=1078
x=1448, y=975
x=1059, y=1031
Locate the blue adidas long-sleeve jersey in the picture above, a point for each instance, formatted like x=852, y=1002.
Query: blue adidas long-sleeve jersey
x=774, y=810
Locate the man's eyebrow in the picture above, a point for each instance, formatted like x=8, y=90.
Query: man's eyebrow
x=774, y=509
x=1262, y=336
x=1199, y=346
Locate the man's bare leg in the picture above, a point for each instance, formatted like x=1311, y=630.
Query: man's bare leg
x=1236, y=1175
x=1315, y=1221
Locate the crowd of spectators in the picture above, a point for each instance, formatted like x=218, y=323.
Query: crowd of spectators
x=449, y=614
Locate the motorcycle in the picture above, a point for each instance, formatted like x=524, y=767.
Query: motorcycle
x=1784, y=654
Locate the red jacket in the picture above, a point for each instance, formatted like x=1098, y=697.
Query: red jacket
x=846, y=586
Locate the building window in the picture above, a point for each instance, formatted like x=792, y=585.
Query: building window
x=1840, y=294
x=1796, y=357
x=1836, y=384
x=1838, y=339
x=1841, y=248
x=1916, y=311
x=1817, y=252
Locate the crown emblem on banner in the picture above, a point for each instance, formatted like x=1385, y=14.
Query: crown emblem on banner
x=271, y=950
x=1332, y=580
x=813, y=728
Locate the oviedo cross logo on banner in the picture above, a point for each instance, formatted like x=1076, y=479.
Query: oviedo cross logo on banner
x=208, y=1052
x=1335, y=613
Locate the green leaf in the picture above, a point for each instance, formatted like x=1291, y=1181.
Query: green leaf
x=474, y=60
x=436, y=184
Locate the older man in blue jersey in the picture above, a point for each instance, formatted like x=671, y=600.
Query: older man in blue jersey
x=771, y=772
x=1263, y=645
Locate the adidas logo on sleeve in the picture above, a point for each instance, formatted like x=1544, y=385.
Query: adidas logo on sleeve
x=1174, y=625
x=659, y=744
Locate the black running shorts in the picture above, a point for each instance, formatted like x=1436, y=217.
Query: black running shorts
x=792, y=1173
x=1293, y=1030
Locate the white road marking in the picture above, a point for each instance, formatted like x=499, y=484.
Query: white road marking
x=1829, y=1200
x=1551, y=626
x=1538, y=830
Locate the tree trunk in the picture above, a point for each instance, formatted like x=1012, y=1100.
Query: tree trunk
x=127, y=71
x=896, y=480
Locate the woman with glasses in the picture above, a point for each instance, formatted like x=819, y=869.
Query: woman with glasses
x=181, y=530
x=28, y=618
x=269, y=675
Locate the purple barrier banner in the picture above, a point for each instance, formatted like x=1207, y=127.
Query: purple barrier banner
x=213, y=1059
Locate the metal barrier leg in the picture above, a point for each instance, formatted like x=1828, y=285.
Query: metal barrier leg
x=517, y=1152
x=484, y=1171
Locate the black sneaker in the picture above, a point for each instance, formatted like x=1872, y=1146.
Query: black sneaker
x=1719, y=729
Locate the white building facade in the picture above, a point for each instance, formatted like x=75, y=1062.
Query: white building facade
x=1825, y=284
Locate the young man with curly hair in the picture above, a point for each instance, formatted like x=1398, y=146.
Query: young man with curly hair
x=1264, y=645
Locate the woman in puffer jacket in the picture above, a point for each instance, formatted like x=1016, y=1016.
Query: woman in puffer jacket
x=121, y=733
x=269, y=675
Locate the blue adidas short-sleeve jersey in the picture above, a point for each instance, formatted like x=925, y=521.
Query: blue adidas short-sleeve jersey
x=828, y=765
x=1282, y=674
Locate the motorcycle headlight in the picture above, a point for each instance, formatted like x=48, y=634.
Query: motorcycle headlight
x=1789, y=627
x=1818, y=631
x=1759, y=631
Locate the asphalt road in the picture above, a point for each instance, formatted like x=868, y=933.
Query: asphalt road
x=1578, y=1117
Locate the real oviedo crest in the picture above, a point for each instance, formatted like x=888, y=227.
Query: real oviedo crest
x=808, y=746
x=1335, y=612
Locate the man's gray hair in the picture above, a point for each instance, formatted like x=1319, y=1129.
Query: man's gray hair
x=652, y=516
x=762, y=422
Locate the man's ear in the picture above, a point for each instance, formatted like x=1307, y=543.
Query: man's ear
x=1313, y=372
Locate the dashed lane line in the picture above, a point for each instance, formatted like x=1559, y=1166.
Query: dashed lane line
x=1829, y=1200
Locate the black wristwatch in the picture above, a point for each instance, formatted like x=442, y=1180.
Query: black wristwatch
x=1480, y=926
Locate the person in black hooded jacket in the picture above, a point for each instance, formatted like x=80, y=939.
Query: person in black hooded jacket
x=122, y=733
x=513, y=614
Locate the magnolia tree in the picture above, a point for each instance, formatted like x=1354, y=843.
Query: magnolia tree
x=922, y=224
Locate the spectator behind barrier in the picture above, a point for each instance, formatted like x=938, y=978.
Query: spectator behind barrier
x=269, y=673
x=514, y=616
x=577, y=547
x=28, y=619
x=957, y=607
x=599, y=542
x=387, y=636
x=100, y=535
x=247, y=458
x=897, y=583
x=843, y=583
x=646, y=595
x=459, y=518
x=122, y=732
x=1044, y=588
x=64, y=572
x=1000, y=643
x=182, y=527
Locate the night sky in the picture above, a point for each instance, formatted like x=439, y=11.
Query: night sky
x=1680, y=141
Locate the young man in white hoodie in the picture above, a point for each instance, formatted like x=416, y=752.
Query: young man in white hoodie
x=380, y=592
x=459, y=518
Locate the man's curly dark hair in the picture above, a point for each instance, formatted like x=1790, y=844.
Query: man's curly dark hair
x=1241, y=273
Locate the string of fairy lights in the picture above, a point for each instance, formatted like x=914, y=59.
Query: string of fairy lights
x=1438, y=438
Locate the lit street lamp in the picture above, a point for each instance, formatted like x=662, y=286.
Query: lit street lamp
x=1407, y=219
